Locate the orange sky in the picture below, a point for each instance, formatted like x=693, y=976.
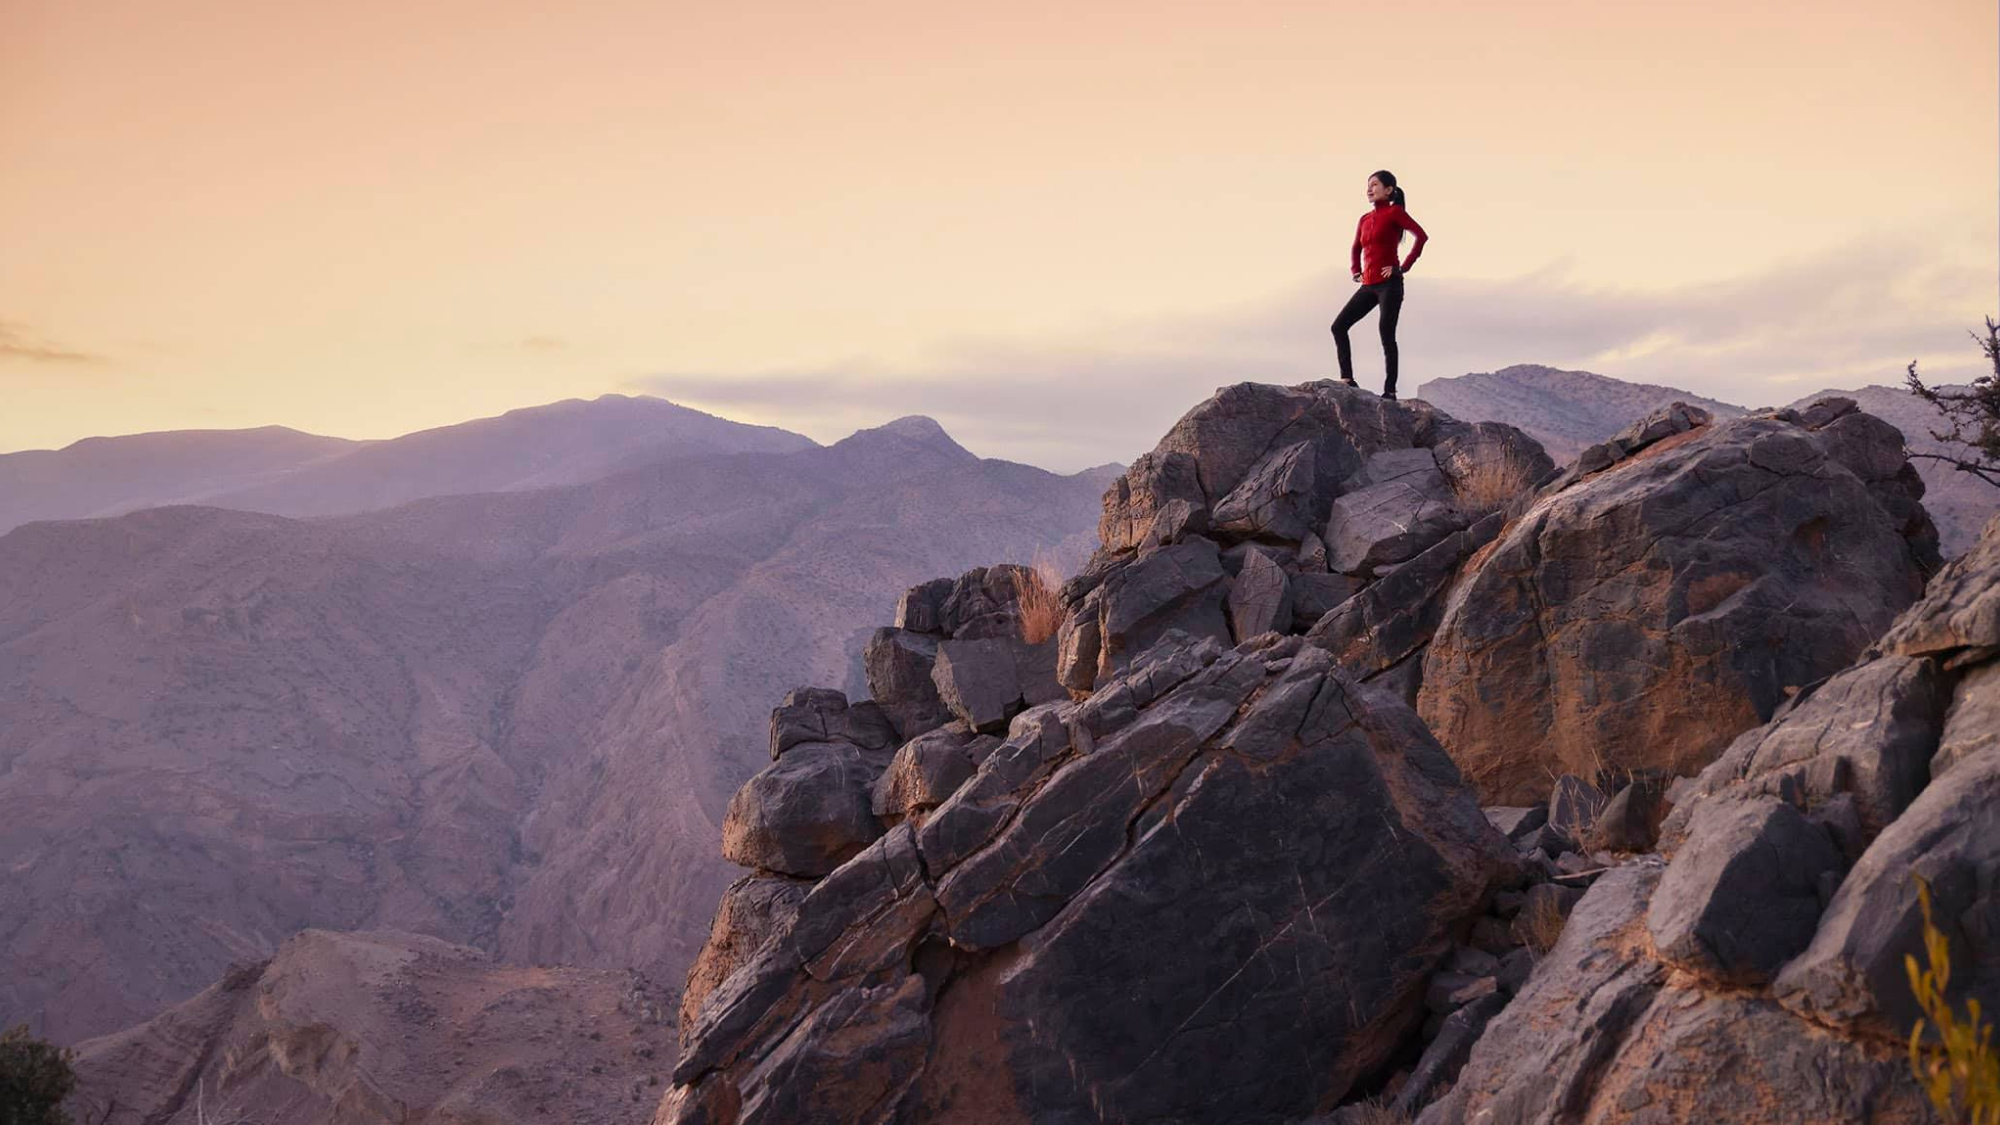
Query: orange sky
x=370, y=217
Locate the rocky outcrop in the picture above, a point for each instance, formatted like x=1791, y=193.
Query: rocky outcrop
x=1603, y=1032
x=1735, y=564
x=1222, y=846
x=1756, y=973
x=1272, y=509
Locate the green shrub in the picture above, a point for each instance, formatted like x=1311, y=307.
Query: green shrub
x=35, y=1077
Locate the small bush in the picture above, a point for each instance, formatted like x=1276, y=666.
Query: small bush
x=1488, y=483
x=1039, y=590
x=35, y=1077
x=1958, y=1069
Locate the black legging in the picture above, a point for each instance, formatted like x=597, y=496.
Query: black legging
x=1388, y=294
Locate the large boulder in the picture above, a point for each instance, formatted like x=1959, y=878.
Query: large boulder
x=1733, y=564
x=1213, y=891
x=807, y=813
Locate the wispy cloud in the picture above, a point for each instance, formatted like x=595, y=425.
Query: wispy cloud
x=1853, y=315
x=21, y=343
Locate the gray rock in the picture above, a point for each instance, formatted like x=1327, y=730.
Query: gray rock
x=1391, y=620
x=1315, y=594
x=1869, y=731
x=806, y=813
x=927, y=770
x=1277, y=501
x=1385, y=523
x=919, y=610
x=1742, y=897
x=977, y=681
x=1135, y=501
x=1312, y=554
x=1080, y=643
x=808, y=714
x=1958, y=618
x=1950, y=835
x=1515, y=823
x=1260, y=599
x=1520, y=1071
x=984, y=603
x=1175, y=588
x=898, y=665
x=1447, y=1053
x=1972, y=725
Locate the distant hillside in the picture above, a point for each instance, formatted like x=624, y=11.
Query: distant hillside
x=1567, y=411
x=344, y=1028
x=285, y=472
x=507, y=719
x=105, y=476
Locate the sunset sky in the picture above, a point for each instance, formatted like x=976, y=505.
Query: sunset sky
x=1052, y=226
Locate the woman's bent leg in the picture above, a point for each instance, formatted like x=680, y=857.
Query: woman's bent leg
x=1392, y=308
x=1357, y=307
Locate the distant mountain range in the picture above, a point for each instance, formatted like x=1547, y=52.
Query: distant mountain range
x=510, y=719
x=1569, y=410
x=285, y=472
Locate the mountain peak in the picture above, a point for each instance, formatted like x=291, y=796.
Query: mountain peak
x=915, y=428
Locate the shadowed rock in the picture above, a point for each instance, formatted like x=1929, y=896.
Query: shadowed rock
x=1743, y=897
x=898, y=663
x=1601, y=1033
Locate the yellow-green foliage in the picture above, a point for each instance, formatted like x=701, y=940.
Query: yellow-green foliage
x=1959, y=1071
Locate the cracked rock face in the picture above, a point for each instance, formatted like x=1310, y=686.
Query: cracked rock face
x=1759, y=976
x=1645, y=612
x=1212, y=891
x=1604, y=1032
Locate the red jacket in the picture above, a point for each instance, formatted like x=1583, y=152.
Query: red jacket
x=1376, y=239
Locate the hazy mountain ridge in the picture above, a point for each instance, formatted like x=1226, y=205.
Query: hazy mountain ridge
x=226, y=726
x=286, y=472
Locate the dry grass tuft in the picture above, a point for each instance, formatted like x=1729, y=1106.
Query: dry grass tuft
x=1039, y=590
x=1542, y=923
x=1487, y=485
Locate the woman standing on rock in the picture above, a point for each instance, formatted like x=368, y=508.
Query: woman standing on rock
x=1374, y=262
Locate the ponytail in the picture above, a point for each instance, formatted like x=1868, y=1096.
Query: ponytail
x=1396, y=195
